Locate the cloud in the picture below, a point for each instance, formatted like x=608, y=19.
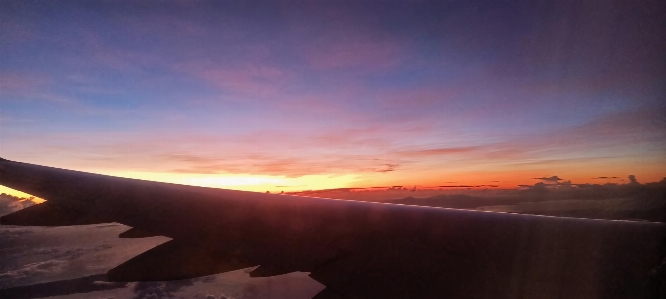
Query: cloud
x=87, y=284
x=290, y=167
x=620, y=129
x=417, y=101
x=9, y=203
x=458, y=186
x=344, y=37
x=438, y=151
x=72, y=253
x=21, y=82
x=47, y=267
x=632, y=179
x=621, y=135
x=549, y=179
x=209, y=296
x=352, y=52
x=164, y=289
x=303, y=151
x=387, y=168
x=259, y=80
x=31, y=87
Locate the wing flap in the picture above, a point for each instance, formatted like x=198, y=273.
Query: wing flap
x=174, y=260
x=136, y=233
x=270, y=270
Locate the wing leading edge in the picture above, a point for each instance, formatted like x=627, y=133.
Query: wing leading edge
x=356, y=249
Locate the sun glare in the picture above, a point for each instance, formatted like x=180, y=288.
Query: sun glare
x=247, y=182
x=20, y=194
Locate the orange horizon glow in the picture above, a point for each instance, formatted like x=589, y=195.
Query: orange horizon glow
x=277, y=184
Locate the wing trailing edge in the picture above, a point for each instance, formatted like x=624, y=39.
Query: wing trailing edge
x=174, y=260
x=270, y=270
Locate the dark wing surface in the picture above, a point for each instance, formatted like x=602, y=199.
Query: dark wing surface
x=355, y=249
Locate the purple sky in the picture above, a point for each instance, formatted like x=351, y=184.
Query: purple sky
x=324, y=94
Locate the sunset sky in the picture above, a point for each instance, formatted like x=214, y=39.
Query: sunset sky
x=330, y=94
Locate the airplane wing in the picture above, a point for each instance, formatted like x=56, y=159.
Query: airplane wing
x=355, y=249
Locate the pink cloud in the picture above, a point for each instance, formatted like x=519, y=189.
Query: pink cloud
x=99, y=52
x=29, y=86
x=17, y=30
x=253, y=79
x=353, y=52
x=289, y=153
x=343, y=38
x=381, y=149
x=21, y=82
x=438, y=151
x=618, y=135
x=623, y=128
x=420, y=97
x=329, y=138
